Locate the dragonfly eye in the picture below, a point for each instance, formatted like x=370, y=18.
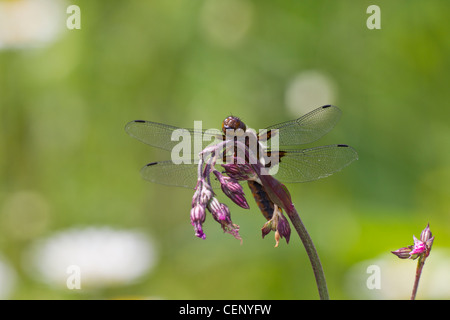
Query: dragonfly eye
x=233, y=123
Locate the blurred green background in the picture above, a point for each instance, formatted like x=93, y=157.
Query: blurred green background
x=66, y=163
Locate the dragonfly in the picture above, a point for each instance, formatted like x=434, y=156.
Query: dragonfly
x=294, y=165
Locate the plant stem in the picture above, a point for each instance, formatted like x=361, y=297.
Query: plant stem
x=312, y=254
x=280, y=196
x=419, y=269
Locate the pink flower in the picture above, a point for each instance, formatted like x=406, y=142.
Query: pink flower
x=421, y=248
x=418, y=247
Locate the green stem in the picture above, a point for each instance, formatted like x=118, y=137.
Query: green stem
x=280, y=196
x=312, y=254
x=419, y=269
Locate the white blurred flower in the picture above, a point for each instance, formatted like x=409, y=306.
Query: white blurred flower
x=309, y=90
x=30, y=23
x=103, y=256
x=396, y=278
x=7, y=279
x=226, y=23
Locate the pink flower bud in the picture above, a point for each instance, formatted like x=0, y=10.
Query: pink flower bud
x=279, y=224
x=403, y=253
x=232, y=190
x=426, y=234
x=240, y=171
x=198, y=217
x=206, y=194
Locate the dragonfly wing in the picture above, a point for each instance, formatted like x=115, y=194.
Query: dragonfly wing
x=161, y=135
x=178, y=175
x=315, y=163
x=308, y=128
x=168, y=173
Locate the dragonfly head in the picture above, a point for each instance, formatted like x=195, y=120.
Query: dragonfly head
x=233, y=123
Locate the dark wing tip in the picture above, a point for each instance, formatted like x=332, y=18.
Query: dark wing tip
x=133, y=121
x=328, y=106
x=151, y=164
x=129, y=125
x=347, y=146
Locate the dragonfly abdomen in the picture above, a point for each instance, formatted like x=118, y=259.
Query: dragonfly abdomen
x=262, y=199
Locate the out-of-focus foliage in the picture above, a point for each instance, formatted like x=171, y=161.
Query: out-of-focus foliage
x=66, y=162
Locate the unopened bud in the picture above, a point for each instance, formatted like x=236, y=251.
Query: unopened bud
x=198, y=217
x=232, y=190
x=403, y=253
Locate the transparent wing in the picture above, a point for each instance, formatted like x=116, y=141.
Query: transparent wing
x=309, y=127
x=315, y=163
x=160, y=135
x=178, y=175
